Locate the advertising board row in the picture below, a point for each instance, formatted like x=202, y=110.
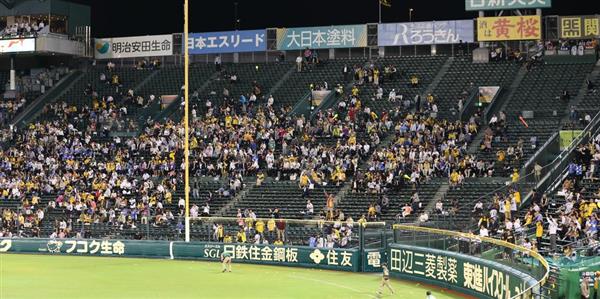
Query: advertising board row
x=297, y=256
x=485, y=29
x=464, y=273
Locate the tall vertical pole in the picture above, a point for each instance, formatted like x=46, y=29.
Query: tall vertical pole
x=186, y=146
x=379, y=11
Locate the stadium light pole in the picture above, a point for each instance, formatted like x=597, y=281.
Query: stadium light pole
x=186, y=146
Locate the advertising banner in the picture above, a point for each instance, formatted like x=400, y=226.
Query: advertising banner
x=372, y=260
x=135, y=46
x=425, y=33
x=298, y=256
x=17, y=45
x=323, y=258
x=484, y=278
x=487, y=93
x=228, y=42
x=342, y=36
x=567, y=136
x=579, y=27
x=509, y=28
x=506, y=4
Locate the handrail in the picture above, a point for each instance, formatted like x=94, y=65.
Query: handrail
x=297, y=221
x=470, y=98
x=539, y=152
x=522, y=249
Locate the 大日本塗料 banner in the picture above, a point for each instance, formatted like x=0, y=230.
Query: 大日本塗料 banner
x=134, y=46
x=509, y=28
x=579, y=27
x=342, y=36
x=227, y=42
x=506, y=4
x=425, y=33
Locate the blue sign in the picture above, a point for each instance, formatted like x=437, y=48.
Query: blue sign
x=228, y=42
x=425, y=33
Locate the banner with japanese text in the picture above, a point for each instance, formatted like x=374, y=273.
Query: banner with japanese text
x=579, y=27
x=471, y=5
x=228, y=42
x=342, y=36
x=483, y=278
x=135, y=46
x=425, y=33
x=297, y=256
x=372, y=260
x=300, y=256
x=78, y=247
x=509, y=28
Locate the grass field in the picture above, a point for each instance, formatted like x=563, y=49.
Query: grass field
x=41, y=276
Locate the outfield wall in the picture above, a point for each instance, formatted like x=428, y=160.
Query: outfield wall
x=295, y=256
x=464, y=273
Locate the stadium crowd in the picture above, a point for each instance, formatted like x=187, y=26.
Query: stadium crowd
x=60, y=165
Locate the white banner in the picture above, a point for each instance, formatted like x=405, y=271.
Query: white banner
x=135, y=46
x=17, y=45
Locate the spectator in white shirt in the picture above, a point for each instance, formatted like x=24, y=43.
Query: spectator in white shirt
x=392, y=96
x=299, y=63
x=552, y=229
x=309, y=208
x=483, y=232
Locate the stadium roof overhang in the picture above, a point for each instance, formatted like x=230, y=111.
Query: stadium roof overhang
x=8, y=3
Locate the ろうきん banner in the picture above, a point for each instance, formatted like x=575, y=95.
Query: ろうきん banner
x=343, y=36
x=509, y=28
x=425, y=33
x=457, y=271
x=135, y=46
x=506, y=4
x=17, y=45
x=579, y=27
x=227, y=42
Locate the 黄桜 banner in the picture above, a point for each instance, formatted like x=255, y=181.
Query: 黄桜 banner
x=227, y=42
x=425, y=33
x=134, y=46
x=509, y=28
x=342, y=36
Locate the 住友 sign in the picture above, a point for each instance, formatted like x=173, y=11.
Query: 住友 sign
x=579, y=27
x=509, y=28
x=17, y=45
x=135, y=46
x=343, y=36
x=227, y=42
x=327, y=258
x=506, y=4
x=425, y=33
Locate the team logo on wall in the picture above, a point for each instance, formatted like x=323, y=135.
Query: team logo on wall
x=54, y=246
x=102, y=47
x=316, y=256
